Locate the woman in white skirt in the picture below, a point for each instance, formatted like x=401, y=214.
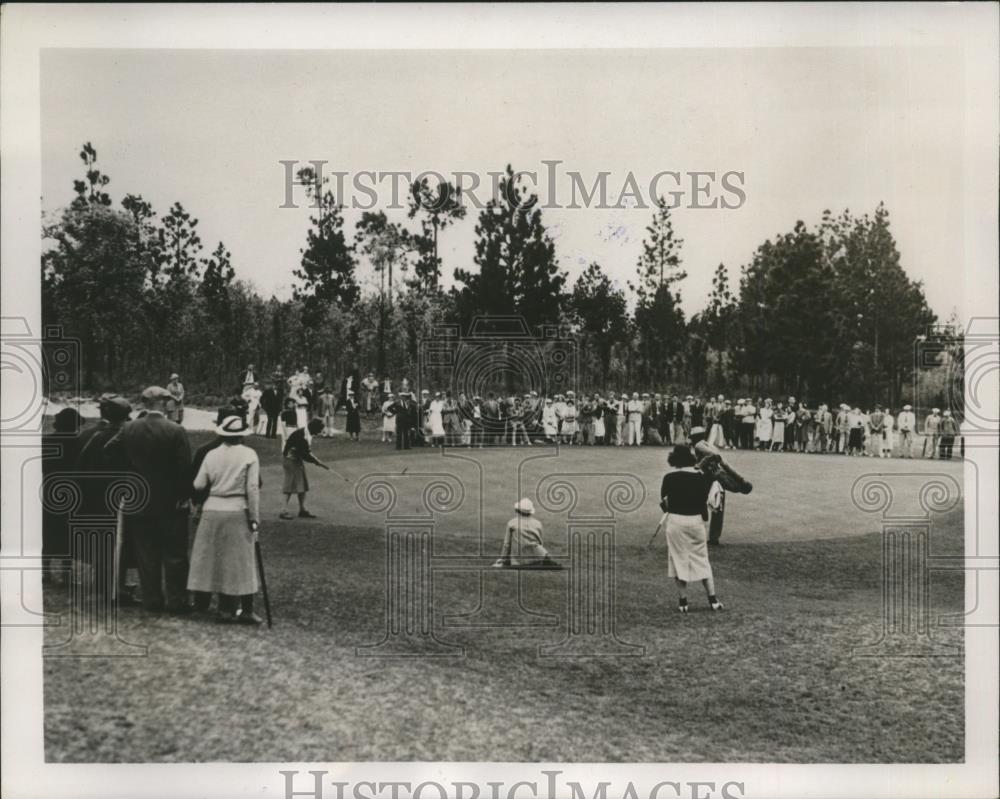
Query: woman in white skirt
x=765, y=425
x=222, y=558
x=684, y=493
x=388, y=418
x=550, y=421
x=599, y=410
x=569, y=426
x=435, y=419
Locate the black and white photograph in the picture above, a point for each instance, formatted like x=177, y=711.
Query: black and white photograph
x=500, y=401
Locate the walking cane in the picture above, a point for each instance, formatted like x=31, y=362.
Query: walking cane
x=259, y=557
x=263, y=582
x=656, y=532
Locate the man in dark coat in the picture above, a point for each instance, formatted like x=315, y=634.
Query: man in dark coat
x=270, y=401
x=60, y=450
x=158, y=451
x=105, y=466
x=405, y=414
x=711, y=462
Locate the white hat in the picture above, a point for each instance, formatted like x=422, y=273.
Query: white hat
x=525, y=506
x=570, y=394
x=697, y=429
x=935, y=410
x=947, y=413
x=425, y=391
x=907, y=408
x=635, y=393
x=233, y=426
x=721, y=396
x=174, y=376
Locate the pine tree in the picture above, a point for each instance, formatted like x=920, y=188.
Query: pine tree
x=91, y=190
x=179, y=244
x=217, y=276
x=660, y=262
x=658, y=318
x=437, y=210
x=518, y=272
x=598, y=308
x=327, y=267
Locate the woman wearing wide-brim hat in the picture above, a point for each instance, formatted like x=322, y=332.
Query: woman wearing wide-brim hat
x=222, y=558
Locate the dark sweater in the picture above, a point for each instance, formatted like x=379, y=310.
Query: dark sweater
x=686, y=493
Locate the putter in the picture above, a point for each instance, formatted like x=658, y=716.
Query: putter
x=338, y=474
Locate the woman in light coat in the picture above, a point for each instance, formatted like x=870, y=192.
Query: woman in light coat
x=222, y=557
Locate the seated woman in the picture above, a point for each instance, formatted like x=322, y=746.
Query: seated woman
x=522, y=544
x=684, y=495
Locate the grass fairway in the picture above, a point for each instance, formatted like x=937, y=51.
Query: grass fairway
x=772, y=678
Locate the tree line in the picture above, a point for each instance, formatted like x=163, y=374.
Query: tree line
x=824, y=311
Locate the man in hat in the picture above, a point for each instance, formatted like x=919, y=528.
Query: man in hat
x=748, y=421
x=522, y=543
x=270, y=402
x=621, y=419
x=948, y=430
x=888, y=434
x=842, y=427
x=158, y=450
x=932, y=426
x=175, y=405
x=906, y=423
x=327, y=410
x=652, y=420
x=248, y=375
x=824, y=429
x=678, y=435
x=404, y=413
x=711, y=463
x=105, y=466
x=876, y=424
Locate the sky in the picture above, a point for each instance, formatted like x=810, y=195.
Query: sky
x=808, y=128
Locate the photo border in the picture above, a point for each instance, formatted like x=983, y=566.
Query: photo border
x=26, y=30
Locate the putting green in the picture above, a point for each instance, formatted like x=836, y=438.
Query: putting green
x=471, y=492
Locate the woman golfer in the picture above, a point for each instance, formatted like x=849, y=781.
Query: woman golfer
x=297, y=453
x=222, y=558
x=684, y=495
